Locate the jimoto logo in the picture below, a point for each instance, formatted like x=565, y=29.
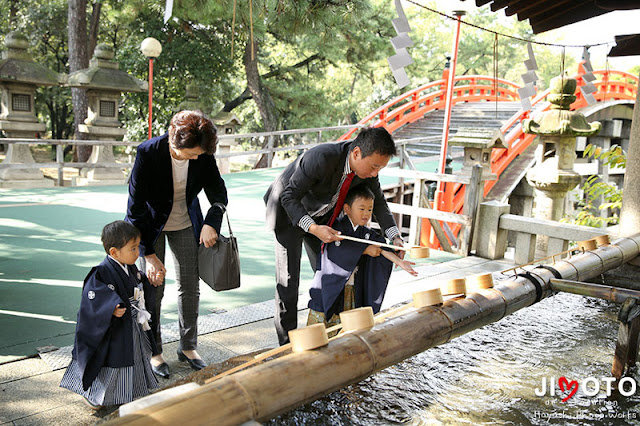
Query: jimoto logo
x=590, y=386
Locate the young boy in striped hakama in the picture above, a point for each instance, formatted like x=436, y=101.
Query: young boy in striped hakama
x=113, y=343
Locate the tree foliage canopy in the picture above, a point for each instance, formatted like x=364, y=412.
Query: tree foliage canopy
x=318, y=62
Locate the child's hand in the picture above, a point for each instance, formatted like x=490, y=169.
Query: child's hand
x=406, y=265
x=118, y=311
x=373, y=251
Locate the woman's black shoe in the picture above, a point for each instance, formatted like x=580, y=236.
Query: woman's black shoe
x=161, y=370
x=196, y=364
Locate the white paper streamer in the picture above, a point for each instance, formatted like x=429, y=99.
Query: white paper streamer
x=588, y=88
x=400, y=43
x=529, y=77
x=168, y=10
x=532, y=58
x=526, y=91
x=589, y=98
x=401, y=77
x=400, y=60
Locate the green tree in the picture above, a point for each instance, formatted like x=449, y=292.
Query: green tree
x=600, y=195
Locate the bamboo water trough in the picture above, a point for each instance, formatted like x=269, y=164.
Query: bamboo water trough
x=282, y=384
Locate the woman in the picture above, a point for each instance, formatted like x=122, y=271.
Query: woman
x=167, y=176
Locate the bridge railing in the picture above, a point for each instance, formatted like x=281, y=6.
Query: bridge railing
x=412, y=105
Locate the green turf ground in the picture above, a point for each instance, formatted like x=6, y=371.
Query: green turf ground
x=50, y=238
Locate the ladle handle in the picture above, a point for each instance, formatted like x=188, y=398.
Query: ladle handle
x=375, y=243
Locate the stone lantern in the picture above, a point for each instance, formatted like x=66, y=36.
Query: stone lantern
x=104, y=83
x=557, y=129
x=227, y=124
x=478, y=144
x=19, y=78
x=192, y=99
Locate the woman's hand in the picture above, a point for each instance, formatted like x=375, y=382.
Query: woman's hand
x=155, y=270
x=208, y=236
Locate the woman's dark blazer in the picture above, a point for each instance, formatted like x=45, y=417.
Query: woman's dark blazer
x=151, y=191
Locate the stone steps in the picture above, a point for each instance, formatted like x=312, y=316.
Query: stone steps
x=481, y=115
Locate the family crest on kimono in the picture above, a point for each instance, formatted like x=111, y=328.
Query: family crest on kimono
x=113, y=342
x=352, y=274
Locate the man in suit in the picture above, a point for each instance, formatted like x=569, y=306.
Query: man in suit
x=301, y=203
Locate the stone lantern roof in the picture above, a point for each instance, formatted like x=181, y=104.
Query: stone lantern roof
x=192, y=99
x=17, y=65
x=560, y=120
x=478, y=138
x=226, y=119
x=103, y=74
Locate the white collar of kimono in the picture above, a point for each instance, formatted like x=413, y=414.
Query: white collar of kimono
x=352, y=225
x=126, y=271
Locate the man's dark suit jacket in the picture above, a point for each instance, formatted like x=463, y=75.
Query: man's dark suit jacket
x=151, y=191
x=309, y=183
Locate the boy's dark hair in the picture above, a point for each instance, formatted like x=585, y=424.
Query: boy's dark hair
x=117, y=234
x=359, y=191
x=375, y=140
x=191, y=129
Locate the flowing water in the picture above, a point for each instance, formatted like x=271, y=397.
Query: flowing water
x=490, y=376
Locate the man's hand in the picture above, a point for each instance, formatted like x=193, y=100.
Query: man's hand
x=118, y=311
x=155, y=270
x=325, y=233
x=208, y=236
x=397, y=241
x=373, y=250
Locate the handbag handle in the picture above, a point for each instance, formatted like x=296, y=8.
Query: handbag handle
x=224, y=210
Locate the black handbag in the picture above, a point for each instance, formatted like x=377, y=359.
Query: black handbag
x=219, y=266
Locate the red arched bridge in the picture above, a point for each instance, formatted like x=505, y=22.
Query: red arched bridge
x=411, y=111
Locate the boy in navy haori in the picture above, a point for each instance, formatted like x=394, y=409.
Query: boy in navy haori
x=113, y=343
x=351, y=274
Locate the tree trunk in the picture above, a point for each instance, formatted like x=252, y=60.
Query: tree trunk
x=261, y=97
x=13, y=13
x=78, y=59
x=94, y=25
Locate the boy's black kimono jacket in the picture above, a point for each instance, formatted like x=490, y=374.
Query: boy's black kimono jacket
x=103, y=340
x=338, y=261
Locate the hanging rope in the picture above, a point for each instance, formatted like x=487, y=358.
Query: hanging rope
x=562, y=58
x=606, y=87
x=495, y=71
x=251, y=26
x=233, y=26
x=502, y=34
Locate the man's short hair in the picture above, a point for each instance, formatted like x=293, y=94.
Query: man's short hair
x=117, y=234
x=359, y=191
x=375, y=140
x=192, y=129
